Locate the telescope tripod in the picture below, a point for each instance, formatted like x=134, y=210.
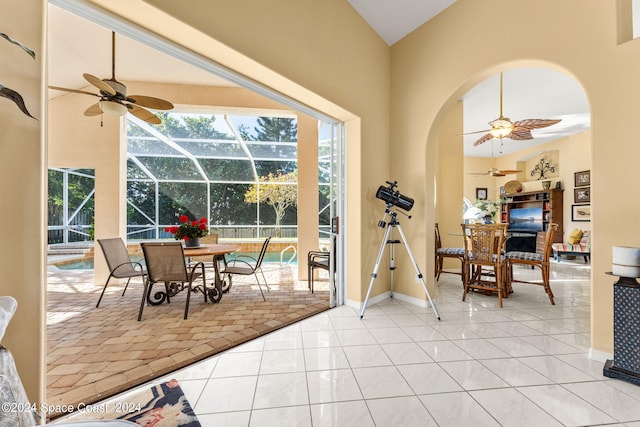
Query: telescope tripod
x=386, y=240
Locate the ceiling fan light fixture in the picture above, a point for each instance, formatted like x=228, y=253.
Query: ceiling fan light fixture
x=113, y=108
x=501, y=128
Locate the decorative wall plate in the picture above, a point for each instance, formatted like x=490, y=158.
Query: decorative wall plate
x=513, y=186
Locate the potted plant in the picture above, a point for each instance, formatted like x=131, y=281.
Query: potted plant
x=488, y=209
x=189, y=231
x=10, y=93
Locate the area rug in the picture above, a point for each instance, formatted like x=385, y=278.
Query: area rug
x=161, y=405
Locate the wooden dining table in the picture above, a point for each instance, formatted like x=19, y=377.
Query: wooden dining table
x=217, y=253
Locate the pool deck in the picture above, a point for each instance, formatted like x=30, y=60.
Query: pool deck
x=93, y=353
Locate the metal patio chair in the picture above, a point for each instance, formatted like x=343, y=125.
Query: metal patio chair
x=242, y=267
x=120, y=264
x=166, y=264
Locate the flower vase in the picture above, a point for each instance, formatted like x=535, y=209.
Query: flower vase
x=193, y=242
x=487, y=219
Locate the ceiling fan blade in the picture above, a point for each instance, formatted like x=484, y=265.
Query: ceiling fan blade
x=150, y=102
x=64, y=89
x=509, y=171
x=485, y=138
x=471, y=133
x=93, y=110
x=143, y=114
x=479, y=173
x=536, y=123
x=520, y=134
x=99, y=84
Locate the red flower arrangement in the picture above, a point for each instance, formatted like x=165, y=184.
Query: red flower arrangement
x=188, y=229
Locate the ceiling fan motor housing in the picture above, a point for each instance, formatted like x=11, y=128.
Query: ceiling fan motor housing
x=121, y=90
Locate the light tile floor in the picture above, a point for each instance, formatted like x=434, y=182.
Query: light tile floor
x=523, y=365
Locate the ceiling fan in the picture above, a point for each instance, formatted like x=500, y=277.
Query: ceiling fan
x=503, y=127
x=493, y=171
x=114, y=99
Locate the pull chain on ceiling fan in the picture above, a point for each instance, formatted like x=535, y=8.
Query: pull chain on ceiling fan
x=503, y=127
x=114, y=99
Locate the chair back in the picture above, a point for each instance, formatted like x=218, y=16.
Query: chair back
x=116, y=254
x=263, y=251
x=484, y=242
x=438, y=239
x=165, y=261
x=544, y=241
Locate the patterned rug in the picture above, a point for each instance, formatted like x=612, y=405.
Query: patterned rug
x=161, y=405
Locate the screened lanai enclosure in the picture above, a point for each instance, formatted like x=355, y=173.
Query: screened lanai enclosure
x=238, y=171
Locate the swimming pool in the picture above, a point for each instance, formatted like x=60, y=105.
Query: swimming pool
x=87, y=263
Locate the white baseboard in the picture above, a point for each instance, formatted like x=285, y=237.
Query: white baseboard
x=372, y=301
x=386, y=295
x=600, y=356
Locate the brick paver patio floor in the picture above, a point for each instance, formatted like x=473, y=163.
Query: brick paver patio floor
x=94, y=352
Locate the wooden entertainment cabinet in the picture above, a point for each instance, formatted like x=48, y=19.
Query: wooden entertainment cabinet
x=551, y=202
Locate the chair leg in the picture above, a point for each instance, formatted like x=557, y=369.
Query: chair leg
x=168, y=291
x=145, y=294
x=186, y=306
x=500, y=273
x=310, y=277
x=439, y=265
x=465, y=282
x=104, y=288
x=547, y=285
x=259, y=285
x=126, y=286
x=509, y=275
x=265, y=280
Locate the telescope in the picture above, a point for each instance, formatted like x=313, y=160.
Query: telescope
x=394, y=197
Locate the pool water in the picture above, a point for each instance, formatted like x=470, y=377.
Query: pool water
x=269, y=257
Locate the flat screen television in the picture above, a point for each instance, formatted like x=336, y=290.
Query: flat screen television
x=525, y=219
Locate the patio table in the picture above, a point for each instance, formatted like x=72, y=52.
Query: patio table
x=217, y=252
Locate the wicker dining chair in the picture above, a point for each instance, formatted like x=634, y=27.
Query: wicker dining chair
x=120, y=264
x=447, y=252
x=539, y=259
x=485, y=267
x=166, y=264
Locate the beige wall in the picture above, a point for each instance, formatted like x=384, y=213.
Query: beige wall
x=436, y=64
x=449, y=182
x=475, y=165
x=22, y=166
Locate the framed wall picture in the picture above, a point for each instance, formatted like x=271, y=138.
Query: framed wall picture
x=581, y=213
x=582, y=179
x=582, y=195
x=481, y=193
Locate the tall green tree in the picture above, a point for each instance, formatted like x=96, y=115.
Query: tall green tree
x=276, y=129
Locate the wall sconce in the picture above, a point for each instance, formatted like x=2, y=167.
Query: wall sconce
x=542, y=168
